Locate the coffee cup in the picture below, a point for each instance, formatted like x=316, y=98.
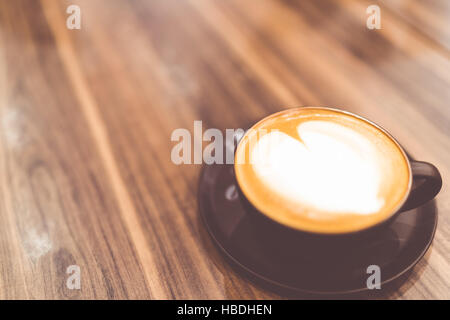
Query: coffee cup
x=319, y=172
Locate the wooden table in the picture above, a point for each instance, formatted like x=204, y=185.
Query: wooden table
x=87, y=115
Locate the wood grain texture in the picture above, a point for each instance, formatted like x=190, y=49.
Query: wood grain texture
x=86, y=118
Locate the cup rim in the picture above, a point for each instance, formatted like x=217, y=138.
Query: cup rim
x=331, y=233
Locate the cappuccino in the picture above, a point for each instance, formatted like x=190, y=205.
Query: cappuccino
x=322, y=170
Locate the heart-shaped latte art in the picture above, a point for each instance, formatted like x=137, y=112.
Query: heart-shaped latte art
x=330, y=168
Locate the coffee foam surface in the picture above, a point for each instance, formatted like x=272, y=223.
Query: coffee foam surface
x=330, y=168
x=321, y=170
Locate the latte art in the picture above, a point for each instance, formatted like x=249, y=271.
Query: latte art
x=321, y=170
x=331, y=168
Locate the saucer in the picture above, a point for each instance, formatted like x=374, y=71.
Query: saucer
x=299, y=269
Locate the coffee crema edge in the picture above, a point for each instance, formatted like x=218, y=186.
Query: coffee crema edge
x=263, y=199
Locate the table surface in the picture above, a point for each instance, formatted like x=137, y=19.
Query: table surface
x=86, y=118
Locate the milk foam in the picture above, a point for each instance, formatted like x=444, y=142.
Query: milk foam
x=329, y=167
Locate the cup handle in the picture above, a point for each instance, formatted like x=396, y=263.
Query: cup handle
x=428, y=189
